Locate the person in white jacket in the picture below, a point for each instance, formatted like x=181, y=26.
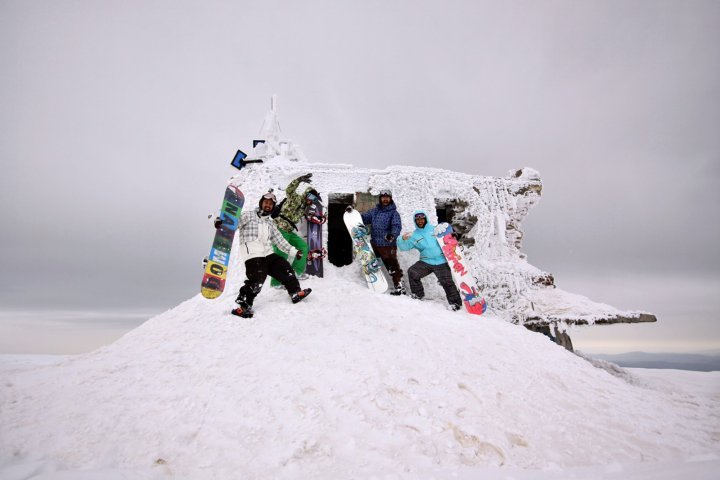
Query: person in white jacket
x=257, y=233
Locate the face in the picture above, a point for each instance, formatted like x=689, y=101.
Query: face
x=420, y=221
x=385, y=200
x=267, y=205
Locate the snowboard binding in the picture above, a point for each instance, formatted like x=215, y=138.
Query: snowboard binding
x=300, y=295
x=316, y=254
x=359, y=231
x=317, y=219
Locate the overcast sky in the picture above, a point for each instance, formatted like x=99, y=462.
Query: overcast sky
x=118, y=121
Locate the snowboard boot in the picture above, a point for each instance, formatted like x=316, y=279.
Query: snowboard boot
x=243, y=310
x=300, y=295
x=399, y=290
x=455, y=306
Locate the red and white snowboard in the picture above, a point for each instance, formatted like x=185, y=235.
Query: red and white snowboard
x=463, y=277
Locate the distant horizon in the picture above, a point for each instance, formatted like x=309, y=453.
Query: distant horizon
x=678, y=329
x=72, y=340
x=97, y=336
x=88, y=335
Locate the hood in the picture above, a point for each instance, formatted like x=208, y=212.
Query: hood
x=427, y=224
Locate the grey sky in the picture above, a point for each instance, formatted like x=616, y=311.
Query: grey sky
x=119, y=120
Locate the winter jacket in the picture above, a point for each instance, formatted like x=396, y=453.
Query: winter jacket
x=293, y=207
x=425, y=241
x=384, y=221
x=258, y=233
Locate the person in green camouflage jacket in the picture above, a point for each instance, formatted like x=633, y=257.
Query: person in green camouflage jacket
x=287, y=218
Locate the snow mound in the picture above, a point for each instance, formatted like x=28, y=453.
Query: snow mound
x=346, y=384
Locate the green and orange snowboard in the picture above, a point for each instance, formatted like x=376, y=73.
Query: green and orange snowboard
x=213, y=282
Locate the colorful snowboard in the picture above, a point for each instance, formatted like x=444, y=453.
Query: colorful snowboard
x=469, y=291
x=213, y=281
x=315, y=219
x=371, y=266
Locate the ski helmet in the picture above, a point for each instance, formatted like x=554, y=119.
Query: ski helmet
x=270, y=196
x=312, y=195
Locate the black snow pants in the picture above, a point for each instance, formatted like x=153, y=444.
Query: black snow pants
x=421, y=270
x=258, y=269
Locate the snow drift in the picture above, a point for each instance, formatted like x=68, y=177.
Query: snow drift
x=346, y=384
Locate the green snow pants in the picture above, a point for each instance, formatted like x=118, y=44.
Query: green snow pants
x=298, y=264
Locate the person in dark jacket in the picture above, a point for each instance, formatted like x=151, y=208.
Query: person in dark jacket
x=432, y=260
x=386, y=226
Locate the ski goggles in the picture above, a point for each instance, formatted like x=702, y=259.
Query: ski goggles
x=385, y=193
x=270, y=196
x=419, y=216
x=312, y=197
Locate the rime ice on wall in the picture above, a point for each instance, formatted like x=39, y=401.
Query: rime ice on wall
x=488, y=211
x=496, y=206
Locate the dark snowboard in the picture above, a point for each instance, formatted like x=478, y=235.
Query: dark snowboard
x=315, y=218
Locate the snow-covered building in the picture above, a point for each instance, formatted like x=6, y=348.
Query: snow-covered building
x=486, y=211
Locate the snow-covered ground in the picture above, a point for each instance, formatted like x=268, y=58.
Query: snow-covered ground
x=348, y=384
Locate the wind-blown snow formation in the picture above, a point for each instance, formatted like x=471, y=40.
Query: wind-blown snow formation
x=346, y=384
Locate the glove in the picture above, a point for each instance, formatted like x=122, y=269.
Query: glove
x=389, y=237
x=305, y=178
x=218, y=222
x=299, y=254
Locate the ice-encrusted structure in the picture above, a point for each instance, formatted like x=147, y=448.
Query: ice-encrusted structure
x=487, y=211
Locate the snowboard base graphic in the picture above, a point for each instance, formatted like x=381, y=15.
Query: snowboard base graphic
x=370, y=264
x=315, y=220
x=213, y=282
x=462, y=276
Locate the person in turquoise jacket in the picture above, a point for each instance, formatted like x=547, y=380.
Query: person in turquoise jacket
x=431, y=260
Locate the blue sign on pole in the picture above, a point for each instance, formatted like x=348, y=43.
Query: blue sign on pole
x=237, y=162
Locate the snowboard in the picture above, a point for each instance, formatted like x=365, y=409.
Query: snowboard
x=213, y=281
x=464, y=280
x=315, y=220
x=371, y=265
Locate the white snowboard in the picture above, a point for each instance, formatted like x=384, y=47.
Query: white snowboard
x=371, y=265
